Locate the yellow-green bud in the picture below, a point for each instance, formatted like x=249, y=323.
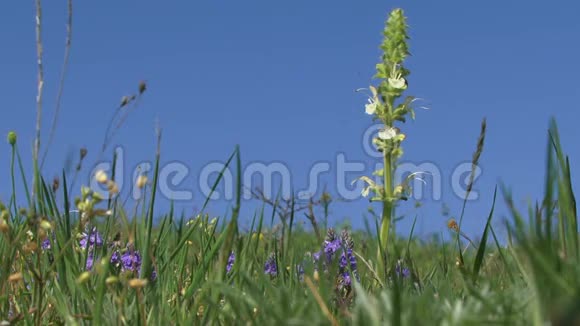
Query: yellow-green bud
x=83, y=277
x=45, y=225
x=97, y=197
x=137, y=283
x=111, y=280
x=12, y=138
x=85, y=192
x=4, y=227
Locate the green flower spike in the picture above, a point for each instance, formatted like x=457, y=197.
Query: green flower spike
x=383, y=105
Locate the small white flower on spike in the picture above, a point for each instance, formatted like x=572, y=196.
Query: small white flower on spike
x=365, y=192
x=398, y=83
x=370, y=185
x=387, y=133
x=371, y=107
x=396, y=80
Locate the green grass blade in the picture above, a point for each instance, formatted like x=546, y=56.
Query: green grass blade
x=481, y=250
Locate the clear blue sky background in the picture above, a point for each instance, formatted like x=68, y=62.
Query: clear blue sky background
x=278, y=78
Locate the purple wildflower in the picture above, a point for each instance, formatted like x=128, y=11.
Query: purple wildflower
x=46, y=244
x=131, y=260
x=270, y=266
x=352, y=259
x=115, y=258
x=300, y=270
x=346, y=279
x=90, y=261
x=95, y=239
x=316, y=256
x=353, y=265
x=231, y=260
x=330, y=247
x=340, y=248
x=402, y=271
x=343, y=262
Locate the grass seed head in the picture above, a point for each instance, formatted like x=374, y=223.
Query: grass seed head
x=16, y=277
x=141, y=181
x=137, y=283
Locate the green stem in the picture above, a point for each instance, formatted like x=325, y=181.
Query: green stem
x=23, y=176
x=387, y=204
x=388, y=188
x=15, y=209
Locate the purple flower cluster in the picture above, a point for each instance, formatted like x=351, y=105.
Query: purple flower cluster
x=231, y=260
x=90, y=261
x=125, y=260
x=402, y=271
x=92, y=239
x=131, y=260
x=89, y=242
x=46, y=244
x=300, y=271
x=270, y=267
x=333, y=244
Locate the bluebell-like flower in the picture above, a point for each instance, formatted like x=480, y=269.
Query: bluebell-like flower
x=116, y=258
x=231, y=260
x=330, y=247
x=300, y=270
x=343, y=262
x=352, y=259
x=316, y=256
x=90, y=261
x=402, y=271
x=46, y=244
x=340, y=248
x=270, y=266
x=353, y=265
x=131, y=260
x=95, y=239
x=346, y=279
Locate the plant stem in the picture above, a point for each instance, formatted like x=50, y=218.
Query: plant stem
x=15, y=206
x=388, y=189
x=39, y=50
x=387, y=204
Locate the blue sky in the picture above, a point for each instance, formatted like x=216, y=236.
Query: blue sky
x=278, y=78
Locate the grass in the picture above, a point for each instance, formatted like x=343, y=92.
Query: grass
x=110, y=264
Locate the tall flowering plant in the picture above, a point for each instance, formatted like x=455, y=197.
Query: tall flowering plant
x=386, y=104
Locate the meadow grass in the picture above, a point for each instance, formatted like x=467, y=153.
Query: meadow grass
x=73, y=256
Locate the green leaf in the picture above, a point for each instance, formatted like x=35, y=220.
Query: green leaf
x=481, y=250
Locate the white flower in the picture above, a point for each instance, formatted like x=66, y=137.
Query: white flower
x=101, y=177
x=371, y=107
x=398, y=82
x=365, y=192
x=366, y=189
x=387, y=133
